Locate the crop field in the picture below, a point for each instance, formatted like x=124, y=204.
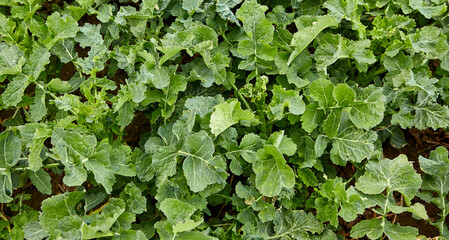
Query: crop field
x=224, y=119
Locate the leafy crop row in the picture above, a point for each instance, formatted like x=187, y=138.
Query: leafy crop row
x=243, y=108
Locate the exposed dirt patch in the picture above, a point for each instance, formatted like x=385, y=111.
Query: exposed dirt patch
x=140, y=124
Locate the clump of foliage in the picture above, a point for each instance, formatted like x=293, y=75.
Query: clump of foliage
x=247, y=107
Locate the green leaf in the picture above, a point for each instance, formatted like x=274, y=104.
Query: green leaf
x=200, y=168
x=347, y=9
x=10, y=149
x=34, y=231
x=224, y=10
x=334, y=47
x=282, y=99
x=398, y=232
x=65, y=50
x=368, y=109
x=396, y=175
x=101, y=222
x=14, y=91
x=59, y=27
x=164, y=161
x=176, y=210
x=201, y=105
x=135, y=202
x=194, y=236
x=430, y=40
x=191, y=5
x=352, y=144
x=293, y=224
x=428, y=10
x=227, y=114
x=332, y=123
x=11, y=59
x=89, y=35
x=343, y=94
x=321, y=91
x=272, y=172
x=56, y=208
x=260, y=32
x=59, y=86
x=41, y=179
x=371, y=228
x=312, y=117
x=310, y=27
x=37, y=61
x=38, y=110
x=437, y=164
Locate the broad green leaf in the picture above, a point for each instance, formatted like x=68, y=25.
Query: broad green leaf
x=344, y=95
x=195, y=236
x=59, y=27
x=398, y=232
x=272, y=172
x=89, y=35
x=427, y=115
x=260, y=32
x=10, y=149
x=59, y=86
x=427, y=9
x=312, y=117
x=347, y=9
x=227, y=114
x=135, y=202
x=34, y=231
x=429, y=40
x=15, y=90
x=37, y=61
x=125, y=114
x=191, y=5
x=99, y=164
x=309, y=27
x=177, y=210
x=334, y=47
x=308, y=177
x=160, y=77
x=352, y=144
x=368, y=109
x=201, y=105
x=321, y=91
x=292, y=224
x=371, y=228
x=101, y=222
x=56, y=208
x=38, y=110
x=65, y=50
x=437, y=164
x=41, y=179
x=11, y=59
x=396, y=175
x=164, y=161
x=224, y=10
x=285, y=98
x=200, y=167
x=332, y=123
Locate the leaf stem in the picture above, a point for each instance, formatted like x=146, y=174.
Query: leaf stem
x=241, y=96
x=368, y=77
x=263, y=125
x=99, y=209
x=51, y=165
x=53, y=96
